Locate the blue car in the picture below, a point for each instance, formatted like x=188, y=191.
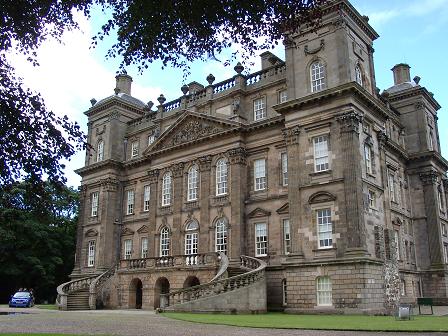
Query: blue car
x=21, y=299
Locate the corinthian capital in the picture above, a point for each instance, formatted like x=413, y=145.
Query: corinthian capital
x=291, y=135
x=429, y=177
x=350, y=121
x=237, y=155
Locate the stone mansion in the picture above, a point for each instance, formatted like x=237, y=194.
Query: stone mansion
x=299, y=187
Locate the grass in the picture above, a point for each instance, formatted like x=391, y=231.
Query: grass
x=47, y=306
x=319, y=322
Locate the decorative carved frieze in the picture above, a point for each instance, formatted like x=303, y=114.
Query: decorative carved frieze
x=350, y=121
x=382, y=138
x=109, y=184
x=419, y=105
x=429, y=177
x=178, y=169
x=237, y=155
x=313, y=51
x=114, y=115
x=291, y=135
x=153, y=175
x=190, y=131
x=220, y=200
x=205, y=163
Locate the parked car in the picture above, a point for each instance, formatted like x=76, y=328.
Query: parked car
x=21, y=299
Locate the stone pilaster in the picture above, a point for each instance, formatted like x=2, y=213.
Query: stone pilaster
x=291, y=136
x=429, y=184
x=153, y=179
x=176, y=200
x=238, y=173
x=351, y=159
x=79, y=229
x=206, y=241
x=382, y=140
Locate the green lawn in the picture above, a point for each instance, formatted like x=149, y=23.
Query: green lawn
x=323, y=322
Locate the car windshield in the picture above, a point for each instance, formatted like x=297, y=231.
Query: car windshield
x=21, y=295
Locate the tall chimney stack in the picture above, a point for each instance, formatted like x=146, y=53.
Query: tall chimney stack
x=401, y=73
x=124, y=83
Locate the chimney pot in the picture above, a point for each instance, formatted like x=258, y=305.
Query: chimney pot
x=402, y=73
x=124, y=83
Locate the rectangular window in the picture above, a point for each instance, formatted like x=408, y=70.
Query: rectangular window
x=91, y=253
x=372, y=199
x=324, y=228
x=151, y=139
x=94, y=211
x=368, y=158
x=259, y=109
x=445, y=253
x=191, y=243
x=146, y=197
x=134, y=149
x=128, y=248
x=283, y=96
x=261, y=240
x=397, y=244
x=286, y=236
x=284, y=169
x=403, y=288
x=321, y=153
x=260, y=174
x=130, y=203
x=144, y=248
x=444, y=229
x=392, y=187
x=323, y=289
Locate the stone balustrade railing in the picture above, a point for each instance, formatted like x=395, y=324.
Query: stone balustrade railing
x=172, y=105
x=66, y=288
x=209, y=259
x=224, y=85
x=97, y=283
x=218, y=285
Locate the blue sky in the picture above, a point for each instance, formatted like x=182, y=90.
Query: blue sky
x=71, y=74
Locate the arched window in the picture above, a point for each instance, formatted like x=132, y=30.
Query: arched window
x=192, y=183
x=221, y=235
x=166, y=189
x=317, y=76
x=221, y=177
x=191, y=238
x=323, y=290
x=100, y=151
x=165, y=242
x=358, y=75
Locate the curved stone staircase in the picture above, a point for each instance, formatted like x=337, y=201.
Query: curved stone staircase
x=243, y=290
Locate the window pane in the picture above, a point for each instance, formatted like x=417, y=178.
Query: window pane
x=317, y=77
x=284, y=169
x=166, y=189
x=164, y=242
x=193, y=183
x=127, y=249
x=324, y=291
x=221, y=236
x=324, y=228
x=144, y=251
x=221, y=177
x=261, y=239
x=91, y=253
x=130, y=204
x=260, y=174
x=286, y=236
x=321, y=153
x=259, y=109
x=94, y=211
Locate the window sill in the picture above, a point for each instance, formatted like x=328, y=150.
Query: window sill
x=323, y=249
x=320, y=173
x=372, y=175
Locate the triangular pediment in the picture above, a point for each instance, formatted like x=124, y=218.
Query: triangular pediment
x=91, y=233
x=143, y=229
x=284, y=209
x=190, y=128
x=127, y=232
x=259, y=212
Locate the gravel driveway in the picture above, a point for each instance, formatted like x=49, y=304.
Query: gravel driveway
x=131, y=322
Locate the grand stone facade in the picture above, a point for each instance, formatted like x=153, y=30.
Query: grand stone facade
x=304, y=165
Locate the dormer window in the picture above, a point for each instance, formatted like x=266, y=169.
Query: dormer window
x=100, y=151
x=358, y=75
x=134, y=149
x=317, y=76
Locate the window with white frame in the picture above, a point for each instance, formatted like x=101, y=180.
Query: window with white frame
x=166, y=189
x=321, y=153
x=221, y=235
x=192, y=183
x=151, y=139
x=358, y=75
x=261, y=240
x=259, y=109
x=130, y=203
x=372, y=199
x=95, y=197
x=368, y=158
x=128, y=248
x=144, y=248
x=100, y=151
x=285, y=292
x=191, y=238
x=397, y=244
x=164, y=242
x=283, y=96
x=259, y=174
x=91, y=253
x=221, y=177
x=317, y=76
x=286, y=236
x=324, y=291
x=324, y=228
x=134, y=149
x=284, y=159
x=392, y=187
x=146, y=197
x=445, y=253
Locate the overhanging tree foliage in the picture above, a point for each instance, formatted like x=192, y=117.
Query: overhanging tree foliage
x=37, y=237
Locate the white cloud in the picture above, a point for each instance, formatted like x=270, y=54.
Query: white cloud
x=68, y=76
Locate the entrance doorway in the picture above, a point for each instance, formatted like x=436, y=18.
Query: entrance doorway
x=162, y=286
x=136, y=294
x=191, y=281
